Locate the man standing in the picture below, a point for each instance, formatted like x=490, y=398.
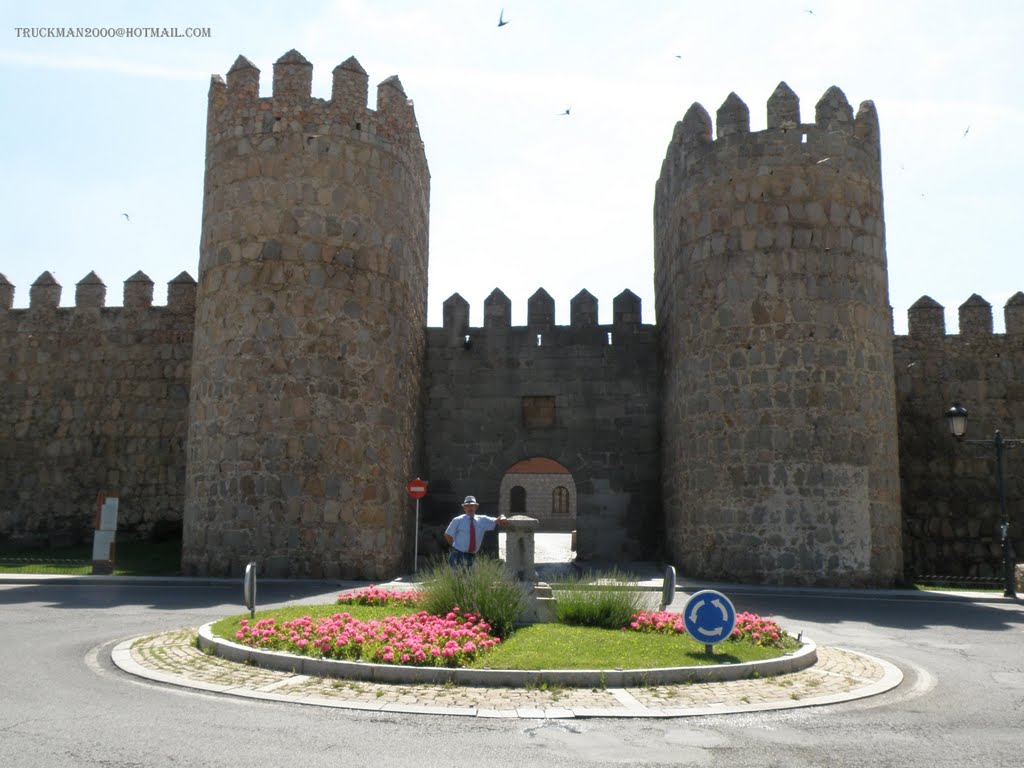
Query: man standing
x=466, y=532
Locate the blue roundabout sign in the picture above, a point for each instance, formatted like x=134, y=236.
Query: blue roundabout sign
x=709, y=617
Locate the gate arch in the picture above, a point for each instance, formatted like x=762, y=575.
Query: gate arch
x=542, y=488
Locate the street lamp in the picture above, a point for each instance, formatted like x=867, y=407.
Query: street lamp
x=957, y=418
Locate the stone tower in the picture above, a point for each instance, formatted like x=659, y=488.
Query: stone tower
x=779, y=453
x=310, y=327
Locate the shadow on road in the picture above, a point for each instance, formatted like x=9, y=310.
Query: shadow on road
x=164, y=596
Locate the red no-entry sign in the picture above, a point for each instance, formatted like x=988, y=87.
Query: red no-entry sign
x=416, y=488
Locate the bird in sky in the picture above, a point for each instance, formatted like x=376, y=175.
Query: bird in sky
x=808, y=10
x=126, y=217
x=965, y=132
x=566, y=111
x=501, y=18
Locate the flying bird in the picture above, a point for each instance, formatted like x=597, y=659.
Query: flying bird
x=566, y=111
x=965, y=132
x=501, y=18
x=126, y=217
x=823, y=160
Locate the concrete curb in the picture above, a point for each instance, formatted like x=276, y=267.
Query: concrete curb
x=805, y=657
x=490, y=703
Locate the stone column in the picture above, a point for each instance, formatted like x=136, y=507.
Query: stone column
x=519, y=559
x=519, y=547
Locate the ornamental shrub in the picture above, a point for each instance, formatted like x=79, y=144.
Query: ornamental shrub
x=609, y=605
x=486, y=589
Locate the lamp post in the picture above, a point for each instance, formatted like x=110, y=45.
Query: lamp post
x=957, y=418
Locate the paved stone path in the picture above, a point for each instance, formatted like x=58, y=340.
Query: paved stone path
x=840, y=675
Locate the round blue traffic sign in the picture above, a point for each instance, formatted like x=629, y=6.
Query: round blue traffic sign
x=709, y=617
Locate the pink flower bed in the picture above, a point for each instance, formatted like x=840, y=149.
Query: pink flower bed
x=372, y=595
x=749, y=627
x=663, y=622
x=417, y=639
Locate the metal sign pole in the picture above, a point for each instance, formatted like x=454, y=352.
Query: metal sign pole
x=417, y=489
x=416, y=540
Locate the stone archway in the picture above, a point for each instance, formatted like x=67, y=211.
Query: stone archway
x=542, y=488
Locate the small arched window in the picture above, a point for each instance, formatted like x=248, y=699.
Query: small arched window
x=560, y=501
x=517, y=500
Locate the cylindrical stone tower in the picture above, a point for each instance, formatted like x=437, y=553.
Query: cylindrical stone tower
x=779, y=455
x=310, y=328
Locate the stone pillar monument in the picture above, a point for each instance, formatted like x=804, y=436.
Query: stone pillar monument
x=521, y=562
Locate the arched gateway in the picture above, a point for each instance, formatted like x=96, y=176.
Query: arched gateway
x=542, y=488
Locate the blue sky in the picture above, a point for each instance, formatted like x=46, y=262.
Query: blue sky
x=521, y=196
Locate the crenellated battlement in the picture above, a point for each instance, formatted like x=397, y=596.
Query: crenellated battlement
x=836, y=140
x=540, y=328
x=832, y=115
x=91, y=292
x=237, y=112
x=926, y=318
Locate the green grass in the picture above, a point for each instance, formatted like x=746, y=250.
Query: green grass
x=560, y=646
x=553, y=646
x=131, y=559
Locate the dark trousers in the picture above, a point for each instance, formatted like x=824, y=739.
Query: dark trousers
x=457, y=558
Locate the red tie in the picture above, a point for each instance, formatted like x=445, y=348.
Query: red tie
x=472, y=536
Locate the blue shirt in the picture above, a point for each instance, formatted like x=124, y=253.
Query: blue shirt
x=458, y=529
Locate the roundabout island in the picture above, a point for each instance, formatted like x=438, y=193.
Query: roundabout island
x=811, y=675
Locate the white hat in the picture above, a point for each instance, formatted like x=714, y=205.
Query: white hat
x=470, y=500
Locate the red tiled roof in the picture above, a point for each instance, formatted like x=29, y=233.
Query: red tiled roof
x=538, y=465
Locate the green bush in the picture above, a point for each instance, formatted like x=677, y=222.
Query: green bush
x=487, y=589
x=580, y=603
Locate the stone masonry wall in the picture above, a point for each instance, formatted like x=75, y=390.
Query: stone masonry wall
x=310, y=328
x=950, y=503
x=93, y=399
x=779, y=416
x=760, y=414
x=604, y=426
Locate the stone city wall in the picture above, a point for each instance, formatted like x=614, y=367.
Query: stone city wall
x=779, y=417
x=94, y=399
x=950, y=505
x=583, y=394
x=310, y=327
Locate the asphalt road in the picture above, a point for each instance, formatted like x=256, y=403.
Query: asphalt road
x=64, y=704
